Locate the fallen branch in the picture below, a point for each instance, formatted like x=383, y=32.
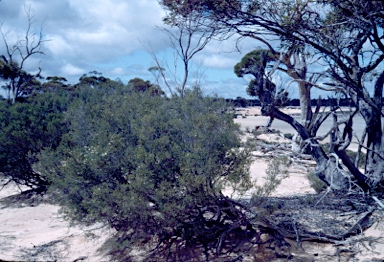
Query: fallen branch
x=378, y=202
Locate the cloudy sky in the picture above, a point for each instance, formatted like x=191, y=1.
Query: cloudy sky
x=111, y=37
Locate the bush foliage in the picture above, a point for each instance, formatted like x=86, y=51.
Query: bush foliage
x=150, y=166
x=27, y=128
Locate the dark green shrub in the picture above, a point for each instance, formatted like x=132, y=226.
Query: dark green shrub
x=151, y=167
x=316, y=183
x=25, y=129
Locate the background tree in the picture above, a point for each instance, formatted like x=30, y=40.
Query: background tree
x=187, y=40
x=157, y=73
x=54, y=83
x=140, y=85
x=12, y=63
x=92, y=79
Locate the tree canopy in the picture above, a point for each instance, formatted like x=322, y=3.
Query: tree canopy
x=346, y=35
x=141, y=85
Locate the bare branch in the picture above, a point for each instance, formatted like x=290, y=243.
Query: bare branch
x=158, y=64
x=17, y=54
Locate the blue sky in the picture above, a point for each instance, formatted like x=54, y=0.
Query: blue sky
x=109, y=36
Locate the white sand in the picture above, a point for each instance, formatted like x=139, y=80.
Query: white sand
x=39, y=233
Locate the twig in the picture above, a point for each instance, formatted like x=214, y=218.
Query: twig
x=326, y=193
x=296, y=232
x=379, y=203
x=5, y=184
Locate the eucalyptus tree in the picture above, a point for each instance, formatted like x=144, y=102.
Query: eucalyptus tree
x=186, y=40
x=92, y=79
x=346, y=34
x=157, y=73
x=140, y=85
x=351, y=42
x=293, y=60
x=54, y=83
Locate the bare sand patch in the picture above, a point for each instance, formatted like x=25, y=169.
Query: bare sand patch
x=37, y=232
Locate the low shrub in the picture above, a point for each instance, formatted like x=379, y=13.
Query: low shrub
x=152, y=168
x=316, y=183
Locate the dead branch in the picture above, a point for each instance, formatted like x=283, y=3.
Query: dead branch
x=333, y=220
x=16, y=56
x=378, y=202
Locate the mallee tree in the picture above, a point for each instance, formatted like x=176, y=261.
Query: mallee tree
x=347, y=35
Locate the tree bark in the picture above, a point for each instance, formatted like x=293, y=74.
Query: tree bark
x=374, y=168
x=305, y=104
x=327, y=169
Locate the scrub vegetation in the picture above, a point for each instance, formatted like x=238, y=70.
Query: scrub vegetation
x=154, y=168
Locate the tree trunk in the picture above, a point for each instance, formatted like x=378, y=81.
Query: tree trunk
x=13, y=90
x=327, y=169
x=338, y=147
x=374, y=168
x=306, y=115
x=305, y=104
x=298, y=71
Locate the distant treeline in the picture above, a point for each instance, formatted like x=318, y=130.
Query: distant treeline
x=243, y=102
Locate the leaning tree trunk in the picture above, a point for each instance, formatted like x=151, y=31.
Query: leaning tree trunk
x=298, y=71
x=340, y=142
x=374, y=168
x=327, y=168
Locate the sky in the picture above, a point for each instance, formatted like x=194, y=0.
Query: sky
x=113, y=37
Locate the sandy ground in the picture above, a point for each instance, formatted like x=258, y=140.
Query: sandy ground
x=37, y=232
x=296, y=183
x=251, y=117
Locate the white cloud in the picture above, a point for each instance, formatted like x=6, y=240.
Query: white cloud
x=57, y=45
x=72, y=70
x=118, y=71
x=88, y=30
x=111, y=29
x=218, y=61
